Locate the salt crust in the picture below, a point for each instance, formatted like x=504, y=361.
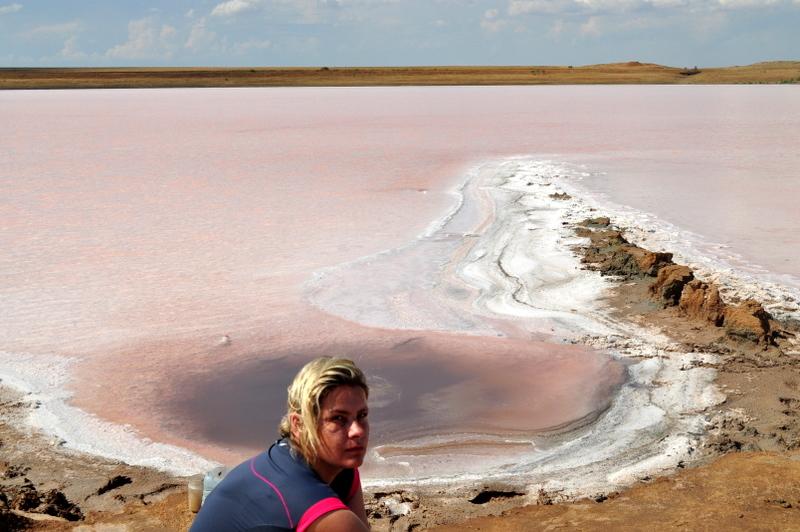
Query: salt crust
x=523, y=270
x=738, y=278
x=43, y=379
x=516, y=263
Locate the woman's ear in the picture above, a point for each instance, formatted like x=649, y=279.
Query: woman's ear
x=295, y=425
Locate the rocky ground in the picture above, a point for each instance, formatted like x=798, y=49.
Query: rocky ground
x=759, y=356
x=44, y=486
x=740, y=491
x=756, y=432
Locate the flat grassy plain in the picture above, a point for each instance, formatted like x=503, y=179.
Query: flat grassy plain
x=608, y=74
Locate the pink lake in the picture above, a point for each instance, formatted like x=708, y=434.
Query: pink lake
x=141, y=226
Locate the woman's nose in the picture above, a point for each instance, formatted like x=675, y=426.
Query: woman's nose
x=357, y=429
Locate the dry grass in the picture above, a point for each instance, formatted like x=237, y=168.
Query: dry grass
x=616, y=73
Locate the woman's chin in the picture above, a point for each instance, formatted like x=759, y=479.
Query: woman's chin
x=353, y=461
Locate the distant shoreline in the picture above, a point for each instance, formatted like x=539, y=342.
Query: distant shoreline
x=630, y=73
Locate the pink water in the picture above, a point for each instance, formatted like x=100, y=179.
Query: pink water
x=140, y=226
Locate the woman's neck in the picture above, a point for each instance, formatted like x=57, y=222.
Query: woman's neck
x=325, y=471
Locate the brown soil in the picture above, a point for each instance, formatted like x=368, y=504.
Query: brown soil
x=759, y=358
x=616, y=73
x=44, y=486
x=745, y=491
x=759, y=373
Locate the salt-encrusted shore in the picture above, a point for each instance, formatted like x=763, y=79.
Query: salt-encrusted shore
x=523, y=269
x=671, y=414
x=518, y=264
x=751, y=405
x=43, y=381
x=758, y=370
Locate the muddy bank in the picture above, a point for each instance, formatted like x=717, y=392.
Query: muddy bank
x=759, y=358
x=45, y=486
x=758, y=369
x=746, y=476
x=742, y=491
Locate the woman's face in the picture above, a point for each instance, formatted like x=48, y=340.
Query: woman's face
x=343, y=428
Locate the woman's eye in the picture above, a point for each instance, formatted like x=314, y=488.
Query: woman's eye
x=362, y=415
x=340, y=420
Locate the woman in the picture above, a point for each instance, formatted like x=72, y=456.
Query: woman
x=308, y=479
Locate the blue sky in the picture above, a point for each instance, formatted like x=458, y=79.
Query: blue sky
x=396, y=32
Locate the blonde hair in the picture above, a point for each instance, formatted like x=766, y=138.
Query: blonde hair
x=306, y=393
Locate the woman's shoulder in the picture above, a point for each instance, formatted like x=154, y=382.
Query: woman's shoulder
x=345, y=483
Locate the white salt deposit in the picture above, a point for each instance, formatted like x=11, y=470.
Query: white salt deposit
x=519, y=267
x=500, y=247
x=44, y=380
x=522, y=263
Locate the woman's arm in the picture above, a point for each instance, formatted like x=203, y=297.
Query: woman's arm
x=352, y=520
x=338, y=521
x=356, y=505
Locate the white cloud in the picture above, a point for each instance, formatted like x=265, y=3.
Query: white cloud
x=706, y=25
x=10, y=8
x=145, y=40
x=611, y=5
x=70, y=49
x=167, y=32
x=252, y=44
x=557, y=28
x=342, y=3
x=591, y=28
x=200, y=37
x=234, y=7
x=670, y=3
x=521, y=7
x=746, y=3
x=310, y=10
x=491, y=23
x=641, y=23
x=55, y=29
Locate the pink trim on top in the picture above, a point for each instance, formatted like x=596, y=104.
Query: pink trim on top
x=325, y=506
x=354, y=487
x=271, y=485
